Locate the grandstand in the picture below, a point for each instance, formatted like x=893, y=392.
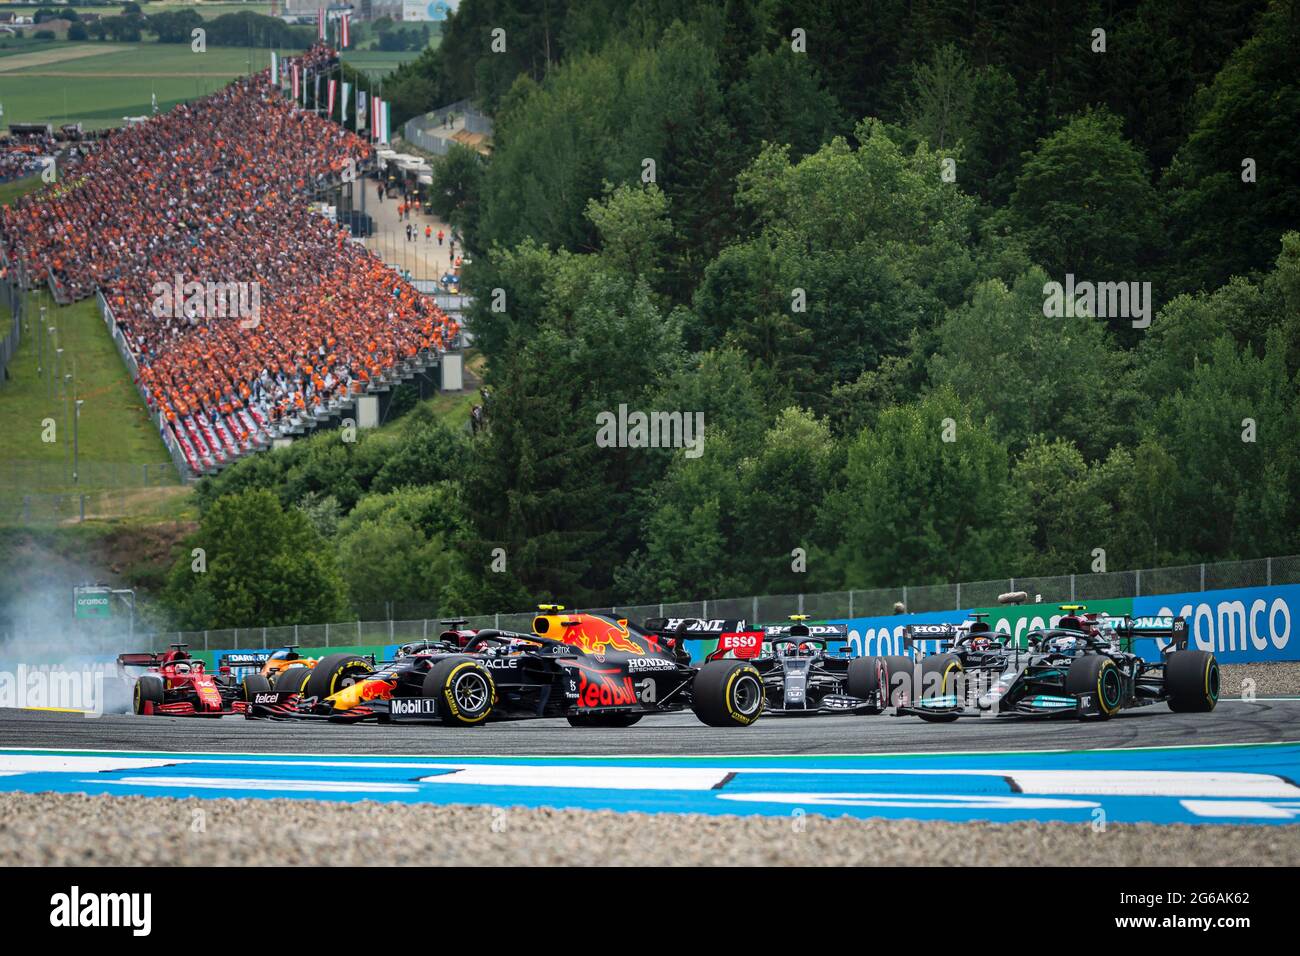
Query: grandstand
x=243, y=316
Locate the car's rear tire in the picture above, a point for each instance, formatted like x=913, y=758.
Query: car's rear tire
x=863, y=679
x=253, y=684
x=292, y=678
x=331, y=674
x=147, y=695
x=1097, y=674
x=604, y=720
x=1192, y=681
x=727, y=693
x=464, y=690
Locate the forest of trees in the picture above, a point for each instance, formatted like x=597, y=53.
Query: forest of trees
x=829, y=226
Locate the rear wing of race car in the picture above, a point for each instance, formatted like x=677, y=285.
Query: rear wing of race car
x=242, y=663
x=693, y=628
x=1168, y=626
x=244, y=659
x=731, y=634
x=143, y=659
x=825, y=632
x=944, y=634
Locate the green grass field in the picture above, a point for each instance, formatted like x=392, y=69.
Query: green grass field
x=376, y=63
x=206, y=10
x=99, y=90
x=114, y=427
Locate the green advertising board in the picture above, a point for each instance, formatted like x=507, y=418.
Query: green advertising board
x=1018, y=619
x=92, y=603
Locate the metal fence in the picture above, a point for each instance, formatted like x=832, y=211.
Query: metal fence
x=91, y=475
x=418, y=130
x=13, y=302
x=409, y=622
x=65, y=507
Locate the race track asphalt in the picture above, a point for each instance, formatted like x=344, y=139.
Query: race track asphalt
x=1234, y=722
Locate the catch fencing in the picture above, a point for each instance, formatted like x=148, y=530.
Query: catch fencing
x=13, y=302
x=419, y=129
x=410, y=622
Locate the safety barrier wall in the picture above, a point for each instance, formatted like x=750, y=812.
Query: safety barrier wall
x=155, y=415
x=1238, y=625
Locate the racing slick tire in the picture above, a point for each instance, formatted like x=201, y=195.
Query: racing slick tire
x=1097, y=674
x=603, y=720
x=1191, y=681
x=254, y=684
x=728, y=693
x=897, y=690
x=292, y=678
x=331, y=674
x=939, y=679
x=147, y=695
x=464, y=690
x=863, y=680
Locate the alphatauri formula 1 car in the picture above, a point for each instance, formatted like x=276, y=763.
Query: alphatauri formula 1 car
x=801, y=677
x=593, y=669
x=1081, y=667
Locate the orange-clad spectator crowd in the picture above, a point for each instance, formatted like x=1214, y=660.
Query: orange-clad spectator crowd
x=216, y=192
x=23, y=155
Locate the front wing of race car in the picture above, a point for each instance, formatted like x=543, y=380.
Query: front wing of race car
x=1033, y=706
x=829, y=704
x=289, y=705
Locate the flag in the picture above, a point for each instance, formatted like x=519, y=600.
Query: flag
x=154, y=99
x=344, y=34
x=383, y=123
x=376, y=116
x=315, y=97
x=329, y=110
x=343, y=102
x=275, y=68
x=320, y=23
x=361, y=108
x=293, y=73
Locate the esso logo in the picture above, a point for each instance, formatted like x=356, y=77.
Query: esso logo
x=743, y=644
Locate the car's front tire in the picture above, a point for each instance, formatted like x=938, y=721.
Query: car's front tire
x=254, y=684
x=1192, y=681
x=464, y=690
x=148, y=694
x=1098, y=675
x=863, y=680
x=293, y=678
x=331, y=674
x=728, y=693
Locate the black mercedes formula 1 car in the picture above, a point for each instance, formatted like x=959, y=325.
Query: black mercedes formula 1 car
x=593, y=669
x=1082, y=667
x=801, y=677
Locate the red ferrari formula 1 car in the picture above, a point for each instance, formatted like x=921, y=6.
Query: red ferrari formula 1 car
x=177, y=685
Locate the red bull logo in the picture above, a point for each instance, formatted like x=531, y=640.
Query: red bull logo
x=376, y=689
x=599, y=690
x=595, y=635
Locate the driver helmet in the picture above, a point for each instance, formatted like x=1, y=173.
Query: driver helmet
x=981, y=642
x=181, y=667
